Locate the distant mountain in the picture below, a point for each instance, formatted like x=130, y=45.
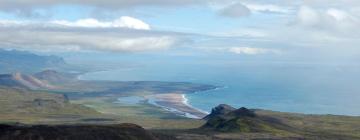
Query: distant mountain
x=52, y=76
x=26, y=62
x=20, y=80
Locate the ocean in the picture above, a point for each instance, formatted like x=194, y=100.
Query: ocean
x=311, y=88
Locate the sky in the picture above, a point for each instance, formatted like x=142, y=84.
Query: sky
x=283, y=29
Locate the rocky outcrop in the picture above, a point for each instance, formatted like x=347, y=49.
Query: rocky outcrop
x=242, y=112
x=224, y=118
x=220, y=110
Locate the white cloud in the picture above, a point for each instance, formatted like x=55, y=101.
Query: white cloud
x=267, y=8
x=28, y=4
x=88, y=34
x=122, y=22
x=235, y=10
x=73, y=40
x=30, y=8
x=330, y=19
x=9, y=23
x=240, y=9
x=308, y=16
x=251, y=51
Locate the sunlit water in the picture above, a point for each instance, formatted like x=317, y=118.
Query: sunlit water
x=291, y=87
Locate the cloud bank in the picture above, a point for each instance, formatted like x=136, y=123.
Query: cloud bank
x=300, y=22
x=235, y=10
x=252, y=51
x=330, y=19
x=125, y=34
x=113, y=4
x=122, y=22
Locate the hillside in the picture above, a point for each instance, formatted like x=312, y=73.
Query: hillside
x=225, y=122
x=55, y=77
x=242, y=120
x=23, y=81
x=32, y=106
x=77, y=132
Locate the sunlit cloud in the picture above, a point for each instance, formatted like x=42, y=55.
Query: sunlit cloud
x=122, y=22
x=252, y=51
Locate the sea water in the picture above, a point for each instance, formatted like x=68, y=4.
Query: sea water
x=312, y=88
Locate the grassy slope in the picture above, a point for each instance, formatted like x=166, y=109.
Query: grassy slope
x=19, y=105
x=99, y=96
x=143, y=114
x=76, y=132
x=283, y=126
x=319, y=126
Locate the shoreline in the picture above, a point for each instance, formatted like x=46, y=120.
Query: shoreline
x=188, y=104
x=176, y=103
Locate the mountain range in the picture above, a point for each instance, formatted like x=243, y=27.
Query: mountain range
x=38, y=102
x=26, y=62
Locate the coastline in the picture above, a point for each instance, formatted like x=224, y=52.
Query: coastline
x=186, y=102
x=176, y=103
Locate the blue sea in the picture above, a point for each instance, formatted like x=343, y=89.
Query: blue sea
x=311, y=88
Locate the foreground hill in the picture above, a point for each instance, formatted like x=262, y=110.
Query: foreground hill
x=226, y=122
x=227, y=119
x=77, y=132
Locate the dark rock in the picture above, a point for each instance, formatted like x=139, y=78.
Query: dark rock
x=225, y=118
x=75, y=132
x=243, y=112
x=219, y=110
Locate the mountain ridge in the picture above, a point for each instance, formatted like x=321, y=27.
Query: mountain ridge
x=241, y=120
x=26, y=62
x=21, y=80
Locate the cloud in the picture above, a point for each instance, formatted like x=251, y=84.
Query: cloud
x=23, y=5
x=332, y=3
x=307, y=16
x=251, y=51
x=240, y=50
x=235, y=10
x=122, y=22
x=331, y=19
x=267, y=8
x=82, y=35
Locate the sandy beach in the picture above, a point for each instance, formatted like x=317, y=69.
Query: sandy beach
x=176, y=103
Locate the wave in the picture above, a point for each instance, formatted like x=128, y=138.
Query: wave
x=186, y=102
x=173, y=110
